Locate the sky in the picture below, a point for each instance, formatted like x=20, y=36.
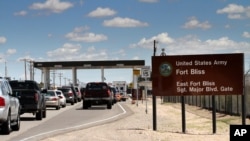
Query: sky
x=89, y=30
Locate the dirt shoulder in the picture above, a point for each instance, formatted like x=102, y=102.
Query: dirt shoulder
x=139, y=125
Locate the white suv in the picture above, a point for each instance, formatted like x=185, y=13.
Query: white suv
x=9, y=108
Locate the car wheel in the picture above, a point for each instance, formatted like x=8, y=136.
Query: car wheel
x=6, y=127
x=64, y=105
x=58, y=107
x=16, y=127
x=44, y=113
x=109, y=105
x=39, y=115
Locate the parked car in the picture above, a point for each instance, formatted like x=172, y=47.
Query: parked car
x=69, y=95
x=52, y=99
x=62, y=98
x=9, y=108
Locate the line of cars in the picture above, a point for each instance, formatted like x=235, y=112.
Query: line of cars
x=60, y=96
x=25, y=96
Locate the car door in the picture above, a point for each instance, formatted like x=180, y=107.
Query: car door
x=13, y=100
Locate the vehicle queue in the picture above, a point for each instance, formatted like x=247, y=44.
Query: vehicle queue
x=54, y=98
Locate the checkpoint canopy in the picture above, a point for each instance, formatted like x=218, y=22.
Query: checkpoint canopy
x=208, y=74
x=74, y=65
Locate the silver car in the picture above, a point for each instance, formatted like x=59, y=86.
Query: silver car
x=9, y=108
x=62, y=98
x=52, y=99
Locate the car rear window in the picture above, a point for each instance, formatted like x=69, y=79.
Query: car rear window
x=64, y=90
x=50, y=93
x=21, y=85
x=96, y=86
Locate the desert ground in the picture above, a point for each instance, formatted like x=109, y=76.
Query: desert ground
x=139, y=125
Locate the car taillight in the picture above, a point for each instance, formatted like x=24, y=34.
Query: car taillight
x=2, y=102
x=36, y=97
x=108, y=92
x=70, y=94
x=60, y=97
x=54, y=99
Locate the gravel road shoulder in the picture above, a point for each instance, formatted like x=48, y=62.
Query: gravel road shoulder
x=139, y=127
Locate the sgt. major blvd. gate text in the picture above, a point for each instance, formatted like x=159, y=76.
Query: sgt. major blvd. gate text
x=189, y=68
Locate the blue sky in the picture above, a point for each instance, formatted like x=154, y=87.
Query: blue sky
x=58, y=30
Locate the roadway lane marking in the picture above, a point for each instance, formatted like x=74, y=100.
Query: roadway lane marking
x=78, y=126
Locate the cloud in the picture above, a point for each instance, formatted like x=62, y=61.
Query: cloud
x=194, y=23
x=55, y=6
x=124, y=22
x=235, y=11
x=2, y=40
x=21, y=13
x=86, y=37
x=66, y=52
x=192, y=45
x=73, y=52
x=11, y=51
x=246, y=34
x=102, y=12
x=161, y=38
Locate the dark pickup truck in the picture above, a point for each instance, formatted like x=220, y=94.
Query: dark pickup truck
x=30, y=96
x=97, y=93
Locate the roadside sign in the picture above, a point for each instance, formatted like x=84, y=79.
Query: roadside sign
x=145, y=72
x=211, y=74
x=136, y=72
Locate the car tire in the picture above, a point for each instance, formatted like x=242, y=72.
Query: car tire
x=6, y=126
x=109, y=105
x=85, y=105
x=44, y=113
x=58, y=107
x=64, y=105
x=39, y=115
x=16, y=127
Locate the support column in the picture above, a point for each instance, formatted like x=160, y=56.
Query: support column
x=74, y=74
x=46, y=78
x=102, y=74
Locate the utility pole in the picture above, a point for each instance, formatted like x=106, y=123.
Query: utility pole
x=54, y=77
x=25, y=70
x=60, y=77
x=31, y=69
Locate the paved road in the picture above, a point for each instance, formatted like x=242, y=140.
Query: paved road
x=64, y=120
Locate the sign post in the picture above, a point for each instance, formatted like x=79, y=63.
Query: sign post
x=146, y=74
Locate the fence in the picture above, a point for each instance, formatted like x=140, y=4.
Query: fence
x=228, y=104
